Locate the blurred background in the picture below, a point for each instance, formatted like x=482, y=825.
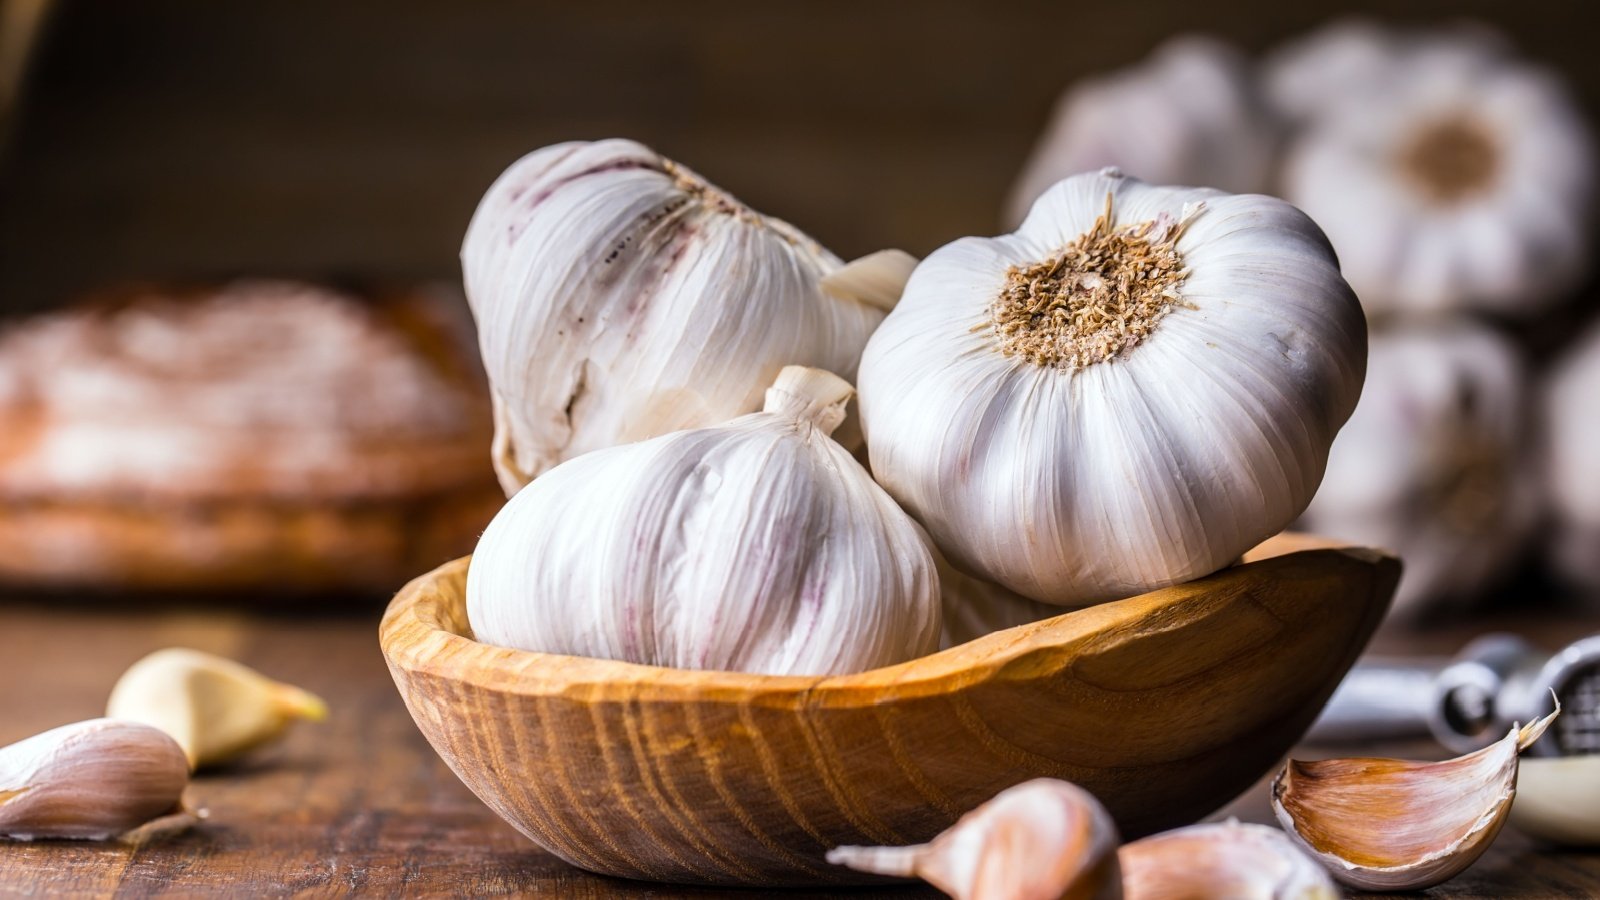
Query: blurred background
x=179, y=139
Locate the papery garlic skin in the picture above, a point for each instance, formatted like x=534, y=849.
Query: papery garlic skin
x=1433, y=465
x=972, y=607
x=1158, y=464
x=1397, y=825
x=1040, y=840
x=91, y=780
x=1447, y=174
x=1230, y=859
x=1188, y=114
x=619, y=296
x=1571, y=456
x=760, y=545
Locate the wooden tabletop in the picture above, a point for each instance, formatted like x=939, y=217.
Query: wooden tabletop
x=360, y=804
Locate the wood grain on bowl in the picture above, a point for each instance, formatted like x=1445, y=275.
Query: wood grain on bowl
x=1164, y=705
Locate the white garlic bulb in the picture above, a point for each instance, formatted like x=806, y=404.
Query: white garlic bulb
x=620, y=296
x=760, y=545
x=972, y=607
x=1431, y=465
x=1189, y=114
x=1129, y=392
x=1572, y=460
x=1447, y=174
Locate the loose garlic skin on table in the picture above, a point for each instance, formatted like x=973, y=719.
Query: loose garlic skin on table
x=1432, y=464
x=620, y=296
x=760, y=545
x=1106, y=447
x=92, y=780
x=1040, y=840
x=1447, y=174
x=1189, y=114
x=1571, y=424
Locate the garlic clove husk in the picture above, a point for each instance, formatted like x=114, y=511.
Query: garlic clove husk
x=620, y=296
x=1571, y=477
x=1433, y=464
x=92, y=780
x=759, y=545
x=215, y=708
x=1224, y=859
x=1453, y=176
x=1040, y=840
x=1558, y=799
x=1076, y=460
x=1389, y=824
x=1188, y=114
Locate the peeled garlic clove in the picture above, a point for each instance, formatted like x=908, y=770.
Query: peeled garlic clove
x=1129, y=392
x=1390, y=824
x=760, y=545
x=1041, y=840
x=1558, y=799
x=1433, y=464
x=1227, y=859
x=1571, y=477
x=90, y=780
x=1188, y=114
x=1453, y=177
x=619, y=296
x=215, y=708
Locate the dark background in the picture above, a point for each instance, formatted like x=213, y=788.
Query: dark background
x=197, y=137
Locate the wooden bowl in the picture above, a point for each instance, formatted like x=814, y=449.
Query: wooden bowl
x=1165, y=706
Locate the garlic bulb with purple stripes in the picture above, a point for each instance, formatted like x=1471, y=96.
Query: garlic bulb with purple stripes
x=620, y=296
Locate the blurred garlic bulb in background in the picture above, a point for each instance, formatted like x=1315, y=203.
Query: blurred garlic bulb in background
x=760, y=545
x=1571, y=408
x=1431, y=465
x=1447, y=174
x=1129, y=392
x=620, y=296
x=1189, y=114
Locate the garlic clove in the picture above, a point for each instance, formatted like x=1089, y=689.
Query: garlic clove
x=216, y=709
x=1558, y=799
x=876, y=279
x=1389, y=824
x=1226, y=859
x=1040, y=840
x=90, y=780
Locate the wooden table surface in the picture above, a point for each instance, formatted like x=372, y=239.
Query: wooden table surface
x=360, y=804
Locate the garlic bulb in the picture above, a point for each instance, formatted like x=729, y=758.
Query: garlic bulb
x=1040, y=840
x=1447, y=174
x=1395, y=825
x=1129, y=392
x=760, y=545
x=619, y=296
x=91, y=780
x=1224, y=859
x=1571, y=404
x=1431, y=464
x=1189, y=114
x=971, y=607
x=216, y=709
